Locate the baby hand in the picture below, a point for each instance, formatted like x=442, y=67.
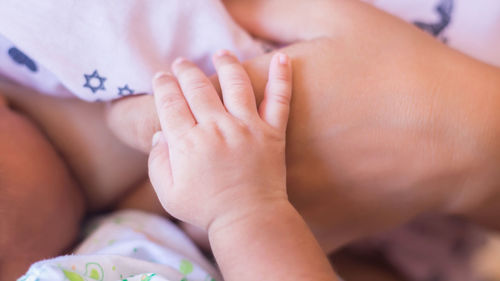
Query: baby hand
x=217, y=160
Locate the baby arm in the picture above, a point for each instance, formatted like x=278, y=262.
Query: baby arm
x=221, y=166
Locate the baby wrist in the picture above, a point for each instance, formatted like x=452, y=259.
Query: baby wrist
x=248, y=215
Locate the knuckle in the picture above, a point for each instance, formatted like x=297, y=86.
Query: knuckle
x=280, y=98
x=196, y=84
x=214, y=128
x=170, y=102
x=236, y=81
x=272, y=136
x=282, y=77
x=168, y=97
x=238, y=85
x=242, y=128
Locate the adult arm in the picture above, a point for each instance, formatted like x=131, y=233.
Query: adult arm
x=386, y=123
x=286, y=21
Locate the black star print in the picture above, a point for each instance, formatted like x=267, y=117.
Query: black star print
x=444, y=10
x=94, y=82
x=125, y=91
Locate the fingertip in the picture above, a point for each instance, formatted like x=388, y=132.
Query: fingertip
x=283, y=59
x=280, y=70
x=159, y=163
x=222, y=53
x=161, y=77
x=281, y=66
x=159, y=149
x=275, y=107
x=158, y=138
x=177, y=62
x=222, y=56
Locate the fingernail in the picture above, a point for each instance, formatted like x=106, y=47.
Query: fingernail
x=157, y=137
x=178, y=61
x=161, y=74
x=283, y=59
x=222, y=53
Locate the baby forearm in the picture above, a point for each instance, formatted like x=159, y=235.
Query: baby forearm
x=271, y=244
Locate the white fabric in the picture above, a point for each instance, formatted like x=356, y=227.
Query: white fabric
x=33, y=76
x=473, y=28
x=129, y=245
x=127, y=41
x=124, y=41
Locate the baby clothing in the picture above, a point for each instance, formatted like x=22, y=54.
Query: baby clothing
x=435, y=248
x=132, y=246
x=472, y=27
x=103, y=50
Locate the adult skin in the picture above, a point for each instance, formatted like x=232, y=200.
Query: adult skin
x=41, y=206
x=102, y=165
x=386, y=123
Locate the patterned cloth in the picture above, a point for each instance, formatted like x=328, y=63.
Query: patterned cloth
x=472, y=27
x=435, y=248
x=132, y=246
x=103, y=50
